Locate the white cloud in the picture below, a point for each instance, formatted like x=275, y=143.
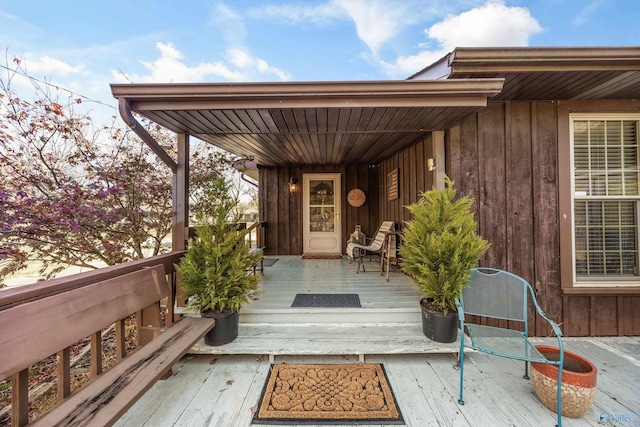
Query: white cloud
x=229, y=23
x=377, y=21
x=322, y=14
x=587, y=12
x=493, y=24
x=248, y=65
x=404, y=66
x=170, y=67
x=50, y=66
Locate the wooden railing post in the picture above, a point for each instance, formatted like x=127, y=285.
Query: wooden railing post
x=64, y=373
x=20, y=396
x=96, y=354
x=121, y=350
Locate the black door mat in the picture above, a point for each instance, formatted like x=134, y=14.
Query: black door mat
x=268, y=262
x=326, y=300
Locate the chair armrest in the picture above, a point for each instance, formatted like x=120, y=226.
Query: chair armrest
x=556, y=329
x=460, y=310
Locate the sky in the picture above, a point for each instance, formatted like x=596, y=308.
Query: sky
x=84, y=45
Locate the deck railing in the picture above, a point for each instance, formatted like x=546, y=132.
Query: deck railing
x=258, y=229
x=18, y=296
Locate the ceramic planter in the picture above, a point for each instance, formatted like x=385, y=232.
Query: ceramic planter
x=225, y=330
x=437, y=326
x=578, y=382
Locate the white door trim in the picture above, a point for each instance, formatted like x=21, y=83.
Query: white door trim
x=324, y=235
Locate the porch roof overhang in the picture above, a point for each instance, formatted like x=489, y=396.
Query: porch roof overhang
x=294, y=123
x=546, y=73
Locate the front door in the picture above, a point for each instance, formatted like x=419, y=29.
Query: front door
x=321, y=219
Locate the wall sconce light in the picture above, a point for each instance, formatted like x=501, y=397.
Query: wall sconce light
x=431, y=166
x=292, y=185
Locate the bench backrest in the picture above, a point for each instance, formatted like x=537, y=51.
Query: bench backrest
x=496, y=294
x=35, y=330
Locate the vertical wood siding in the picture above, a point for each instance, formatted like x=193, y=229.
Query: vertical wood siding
x=505, y=157
x=413, y=179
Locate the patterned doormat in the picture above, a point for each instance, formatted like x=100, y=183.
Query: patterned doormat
x=326, y=300
x=327, y=394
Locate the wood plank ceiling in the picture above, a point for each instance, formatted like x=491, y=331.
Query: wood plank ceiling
x=280, y=124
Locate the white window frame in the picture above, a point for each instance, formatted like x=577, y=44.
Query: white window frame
x=599, y=281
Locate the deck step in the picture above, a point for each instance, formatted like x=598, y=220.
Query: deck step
x=330, y=315
x=355, y=339
x=323, y=315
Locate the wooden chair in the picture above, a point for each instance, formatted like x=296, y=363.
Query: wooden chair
x=502, y=297
x=358, y=252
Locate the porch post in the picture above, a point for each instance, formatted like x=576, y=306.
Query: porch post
x=180, y=210
x=438, y=155
x=180, y=220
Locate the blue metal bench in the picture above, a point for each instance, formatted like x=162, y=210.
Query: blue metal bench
x=502, y=296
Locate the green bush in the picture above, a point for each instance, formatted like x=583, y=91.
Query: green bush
x=215, y=269
x=440, y=245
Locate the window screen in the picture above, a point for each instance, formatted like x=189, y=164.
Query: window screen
x=605, y=161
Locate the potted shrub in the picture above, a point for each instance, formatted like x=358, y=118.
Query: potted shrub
x=440, y=245
x=214, y=272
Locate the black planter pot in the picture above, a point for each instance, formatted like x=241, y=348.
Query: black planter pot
x=225, y=330
x=439, y=327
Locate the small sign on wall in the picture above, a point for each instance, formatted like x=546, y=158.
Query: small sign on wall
x=392, y=185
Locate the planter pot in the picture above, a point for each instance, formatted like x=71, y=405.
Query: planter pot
x=437, y=326
x=578, y=382
x=225, y=330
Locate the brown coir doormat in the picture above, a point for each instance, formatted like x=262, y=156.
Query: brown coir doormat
x=321, y=256
x=325, y=394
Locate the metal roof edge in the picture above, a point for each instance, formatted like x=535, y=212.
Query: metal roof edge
x=306, y=90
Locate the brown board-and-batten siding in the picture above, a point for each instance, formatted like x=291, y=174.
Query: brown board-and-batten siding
x=506, y=158
x=282, y=209
x=413, y=179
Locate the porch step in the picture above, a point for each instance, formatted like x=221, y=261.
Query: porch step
x=320, y=339
x=330, y=315
x=323, y=315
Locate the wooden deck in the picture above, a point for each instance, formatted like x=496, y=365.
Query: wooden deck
x=221, y=386
x=388, y=322
x=215, y=390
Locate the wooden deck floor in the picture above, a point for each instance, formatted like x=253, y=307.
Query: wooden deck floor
x=221, y=386
x=387, y=323
x=223, y=390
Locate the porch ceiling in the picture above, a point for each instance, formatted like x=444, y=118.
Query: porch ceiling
x=545, y=73
x=309, y=122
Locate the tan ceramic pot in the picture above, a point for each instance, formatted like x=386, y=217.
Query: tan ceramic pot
x=578, y=382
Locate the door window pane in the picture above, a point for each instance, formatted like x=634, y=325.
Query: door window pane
x=322, y=205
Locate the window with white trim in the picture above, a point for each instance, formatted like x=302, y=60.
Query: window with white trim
x=606, y=197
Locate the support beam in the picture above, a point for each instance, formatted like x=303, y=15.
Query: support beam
x=180, y=225
x=180, y=220
x=438, y=155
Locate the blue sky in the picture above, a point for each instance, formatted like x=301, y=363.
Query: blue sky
x=83, y=45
